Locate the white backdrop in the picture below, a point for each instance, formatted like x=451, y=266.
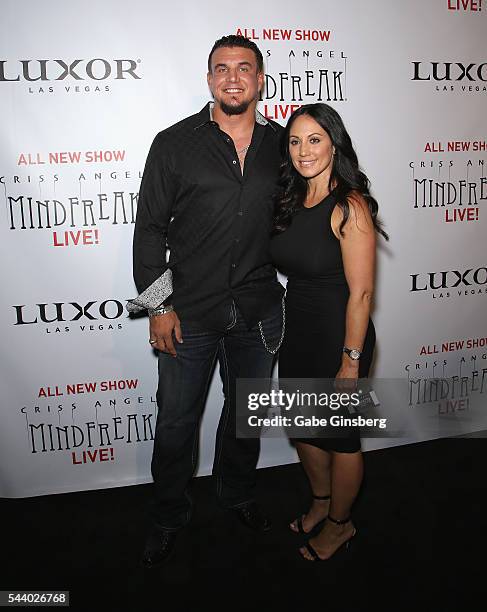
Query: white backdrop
x=84, y=87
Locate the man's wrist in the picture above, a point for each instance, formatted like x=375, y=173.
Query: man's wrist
x=160, y=310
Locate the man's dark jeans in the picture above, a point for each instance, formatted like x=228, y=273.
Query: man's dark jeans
x=181, y=396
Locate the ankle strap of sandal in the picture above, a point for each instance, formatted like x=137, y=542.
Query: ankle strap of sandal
x=321, y=497
x=339, y=522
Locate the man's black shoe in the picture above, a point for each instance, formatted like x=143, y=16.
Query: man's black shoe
x=252, y=516
x=159, y=546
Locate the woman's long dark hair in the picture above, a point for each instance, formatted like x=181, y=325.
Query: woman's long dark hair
x=346, y=176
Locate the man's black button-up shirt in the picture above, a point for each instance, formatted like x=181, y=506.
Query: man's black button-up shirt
x=215, y=221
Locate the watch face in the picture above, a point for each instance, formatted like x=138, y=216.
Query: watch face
x=354, y=354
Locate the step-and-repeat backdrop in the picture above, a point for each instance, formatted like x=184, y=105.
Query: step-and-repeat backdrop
x=85, y=86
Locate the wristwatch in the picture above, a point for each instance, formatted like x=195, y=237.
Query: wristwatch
x=352, y=353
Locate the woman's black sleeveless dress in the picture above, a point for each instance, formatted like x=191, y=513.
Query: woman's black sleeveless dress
x=309, y=253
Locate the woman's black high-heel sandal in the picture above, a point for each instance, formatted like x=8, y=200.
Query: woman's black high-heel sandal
x=319, y=524
x=345, y=544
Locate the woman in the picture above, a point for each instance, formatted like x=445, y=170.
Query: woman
x=325, y=241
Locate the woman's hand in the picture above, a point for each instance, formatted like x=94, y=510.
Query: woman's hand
x=348, y=370
x=347, y=376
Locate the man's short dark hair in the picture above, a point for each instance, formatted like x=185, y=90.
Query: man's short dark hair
x=234, y=40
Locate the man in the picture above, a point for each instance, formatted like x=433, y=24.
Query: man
x=206, y=195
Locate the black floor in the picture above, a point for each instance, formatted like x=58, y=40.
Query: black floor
x=420, y=518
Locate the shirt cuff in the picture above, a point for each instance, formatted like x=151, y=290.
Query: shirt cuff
x=154, y=295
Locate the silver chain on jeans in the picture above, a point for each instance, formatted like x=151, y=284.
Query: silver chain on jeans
x=266, y=346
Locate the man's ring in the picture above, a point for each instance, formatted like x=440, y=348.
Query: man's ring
x=152, y=341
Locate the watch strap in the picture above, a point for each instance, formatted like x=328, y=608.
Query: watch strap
x=354, y=354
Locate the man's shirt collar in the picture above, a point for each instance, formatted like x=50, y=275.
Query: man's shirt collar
x=207, y=115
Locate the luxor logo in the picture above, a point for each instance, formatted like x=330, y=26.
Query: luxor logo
x=68, y=311
x=448, y=279
x=449, y=71
x=97, y=69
